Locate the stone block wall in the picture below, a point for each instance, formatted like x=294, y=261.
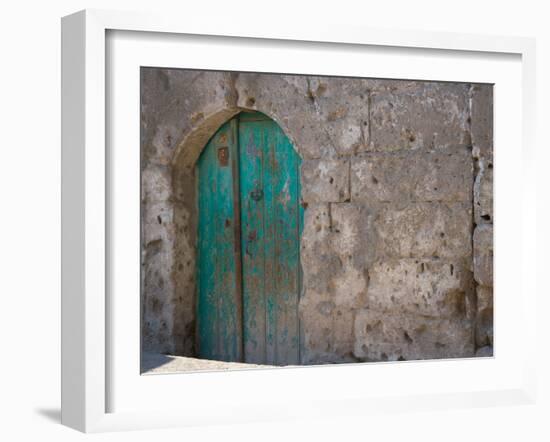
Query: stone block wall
x=396, y=177
x=481, y=103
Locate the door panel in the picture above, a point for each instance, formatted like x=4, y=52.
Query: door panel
x=219, y=318
x=271, y=222
x=267, y=189
x=251, y=141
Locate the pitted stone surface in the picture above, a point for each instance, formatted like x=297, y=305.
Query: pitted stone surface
x=392, y=336
x=325, y=116
x=481, y=103
x=420, y=287
x=349, y=285
x=483, y=193
x=484, y=319
x=317, y=260
x=483, y=254
x=325, y=180
x=287, y=100
x=156, y=184
x=439, y=230
x=335, y=281
x=343, y=106
x=328, y=339
x=170, y=110
x=158, y=222
x=413, y=176
x=419, y=115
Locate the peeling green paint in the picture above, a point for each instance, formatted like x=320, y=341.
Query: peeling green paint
x=270, y=220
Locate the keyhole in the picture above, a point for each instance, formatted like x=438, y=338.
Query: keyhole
x=257, y=194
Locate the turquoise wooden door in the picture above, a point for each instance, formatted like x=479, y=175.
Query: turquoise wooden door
x=250, y=222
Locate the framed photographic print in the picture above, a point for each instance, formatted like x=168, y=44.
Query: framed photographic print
x=288, y=222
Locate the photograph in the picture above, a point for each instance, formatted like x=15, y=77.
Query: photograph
x=296, y=220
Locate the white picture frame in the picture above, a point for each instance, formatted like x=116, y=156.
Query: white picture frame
x=89, y=361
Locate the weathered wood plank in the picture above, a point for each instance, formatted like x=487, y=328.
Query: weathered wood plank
x=271, y=236
x=252, y=240
x=219, y=322
x=270, y=247
x=207, y=313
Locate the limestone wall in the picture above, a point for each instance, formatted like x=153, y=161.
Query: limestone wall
x=481, y=99
x=397, y=183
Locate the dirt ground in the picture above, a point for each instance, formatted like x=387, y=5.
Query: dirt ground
x=154, y=363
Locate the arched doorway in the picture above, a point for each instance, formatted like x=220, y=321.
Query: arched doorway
x=250, y=222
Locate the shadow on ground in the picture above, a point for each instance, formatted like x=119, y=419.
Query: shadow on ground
x=51, y=414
